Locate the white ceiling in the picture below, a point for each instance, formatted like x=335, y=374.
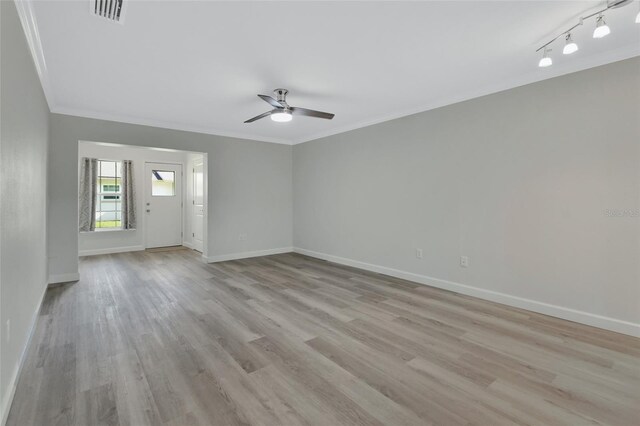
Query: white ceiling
x=199, y=65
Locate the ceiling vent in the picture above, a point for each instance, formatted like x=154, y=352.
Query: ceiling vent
x=108, y=9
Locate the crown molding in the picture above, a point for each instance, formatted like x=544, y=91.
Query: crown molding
x=30, y=26
x=162, y=124
x=581, y=64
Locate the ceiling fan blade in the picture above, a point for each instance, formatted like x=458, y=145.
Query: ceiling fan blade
x=271, y=101
x=312, y=113
x=258, y=117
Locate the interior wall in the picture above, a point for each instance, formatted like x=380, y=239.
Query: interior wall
x=99, y=242
x=24, y=121
x=249, y=187
x=539, y=186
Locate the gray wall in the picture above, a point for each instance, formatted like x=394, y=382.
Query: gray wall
x=519, y=181
x=24, y=120
x=249, y=186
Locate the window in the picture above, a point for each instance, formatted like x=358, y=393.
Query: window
x=163, y=183
x=109, y=206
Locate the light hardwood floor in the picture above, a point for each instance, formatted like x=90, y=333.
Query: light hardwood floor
x=159, y=338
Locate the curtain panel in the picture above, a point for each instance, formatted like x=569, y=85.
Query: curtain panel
x=88, y=194
x=128, y=196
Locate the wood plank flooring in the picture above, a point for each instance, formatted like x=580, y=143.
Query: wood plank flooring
x=160, y=338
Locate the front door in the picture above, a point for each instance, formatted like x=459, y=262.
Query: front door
x=163, y=204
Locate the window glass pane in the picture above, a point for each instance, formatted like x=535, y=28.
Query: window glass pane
x=108, y=207
x=110, y=187
x=108, y=168
x=163, y=183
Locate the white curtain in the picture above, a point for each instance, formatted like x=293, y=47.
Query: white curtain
x=128, y=196
x=88, y=194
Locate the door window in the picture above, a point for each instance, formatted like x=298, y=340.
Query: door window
x=163, y=183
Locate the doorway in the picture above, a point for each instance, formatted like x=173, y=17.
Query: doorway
x=163, y=204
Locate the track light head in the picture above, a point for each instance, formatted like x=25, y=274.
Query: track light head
x=602, y=29
x=546, y=59
x=570, y=46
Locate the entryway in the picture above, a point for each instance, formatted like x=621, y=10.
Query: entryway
x=166, y=199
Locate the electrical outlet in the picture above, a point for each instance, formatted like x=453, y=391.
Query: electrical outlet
x=8, y=330
x=242, y=237
x=418, y=253
x=464, y=261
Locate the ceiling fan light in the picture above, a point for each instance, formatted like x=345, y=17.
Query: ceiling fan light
x=602, y=29
x=281, y=116
x=570, y=46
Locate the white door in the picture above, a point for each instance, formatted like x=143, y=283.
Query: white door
x=163, y=204
x=197, y=203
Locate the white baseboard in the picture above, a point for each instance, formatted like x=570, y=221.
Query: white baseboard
x=64, y=278
x=13, y=383
x=570, y=314
x=110, y=250
x=246, y=254
x=187, y=244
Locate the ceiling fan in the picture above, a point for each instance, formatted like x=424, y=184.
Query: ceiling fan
x=282, y=112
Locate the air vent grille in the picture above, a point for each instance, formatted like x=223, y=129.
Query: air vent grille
x=108, y=9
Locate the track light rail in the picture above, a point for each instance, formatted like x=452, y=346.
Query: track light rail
x=610, y=5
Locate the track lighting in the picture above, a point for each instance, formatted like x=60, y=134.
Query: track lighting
x=546, y=59
x=281, y=116
x=602, y=29
x=570, y=46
